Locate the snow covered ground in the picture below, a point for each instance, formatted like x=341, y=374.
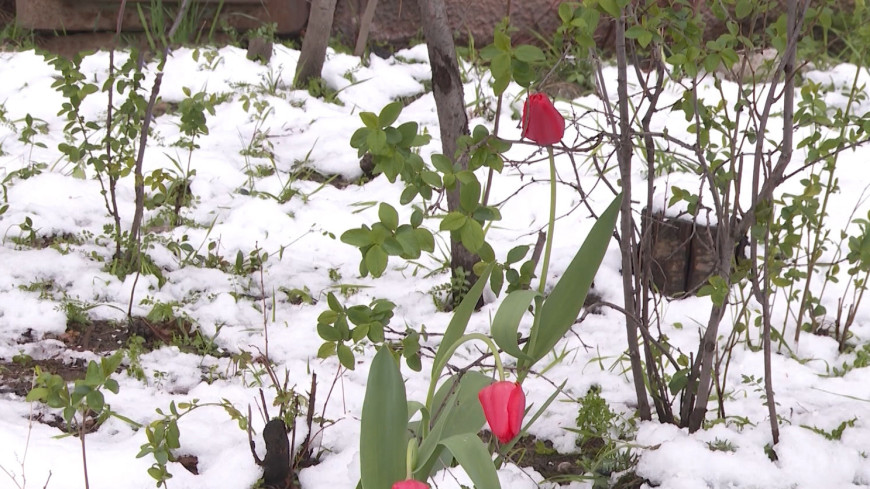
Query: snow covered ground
x=231, y=210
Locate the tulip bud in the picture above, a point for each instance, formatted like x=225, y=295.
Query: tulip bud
x=542, y=123
x=410, y=484
x=504, y=404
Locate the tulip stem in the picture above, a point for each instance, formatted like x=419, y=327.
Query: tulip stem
x=411, y=458
x=551, y=225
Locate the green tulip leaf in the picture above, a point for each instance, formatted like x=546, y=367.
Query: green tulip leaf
x=456, y=327
x=475, y=458
x=562, y=306
x=507, y=321
x=458, y=411
x=414, y=407
x=383, y=434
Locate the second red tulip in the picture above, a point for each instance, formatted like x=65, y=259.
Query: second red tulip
x=504, y=404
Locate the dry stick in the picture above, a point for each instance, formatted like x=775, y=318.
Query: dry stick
x=309, y=416
x=787, y=144
x=251, y=440
x=329, y=393
x=265, y=407
x=113, y=181
x=624, y=152
x=265, y=316
x=84, y=455
x=108, y=152
x=365, y=25
x=143, y=137
x=139, y=185
x=658, y=387
x=728, y=234
x=498, y=103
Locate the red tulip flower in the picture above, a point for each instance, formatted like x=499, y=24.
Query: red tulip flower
x=410, y=484
x=504, y=404
x=542, y=123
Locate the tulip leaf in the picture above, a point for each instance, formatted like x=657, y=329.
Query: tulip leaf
x=414, y=407
x=507, y=321
x=475, y=458
x=560, y=309
x=383, y=434
x=458, y=411
x=468, y=415
x=456, y=327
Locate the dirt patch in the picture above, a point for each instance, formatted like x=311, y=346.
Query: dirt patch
x=540, y=455
x=101, y=336
x=565, y=468
x=97, y=336
x=16, y=376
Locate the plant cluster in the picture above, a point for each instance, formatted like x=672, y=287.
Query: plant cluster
x=741, y=164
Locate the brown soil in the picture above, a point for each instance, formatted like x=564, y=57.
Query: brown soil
x=561, y=467
x=16, y=376
x=100, y=336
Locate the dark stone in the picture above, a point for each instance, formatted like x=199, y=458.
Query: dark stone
x=276, y=463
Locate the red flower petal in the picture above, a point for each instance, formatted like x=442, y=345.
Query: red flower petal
x=542, y=123
x=504, y=404
x=410, y=484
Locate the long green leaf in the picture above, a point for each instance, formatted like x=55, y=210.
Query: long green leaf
x=507, y=321
x=562, y=306
x=458, y=411
x=461, y=316
x=474, y=457
x=383, y=433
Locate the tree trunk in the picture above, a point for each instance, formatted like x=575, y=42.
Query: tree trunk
x=450, y=104
x=315, y=42
x=365, y=25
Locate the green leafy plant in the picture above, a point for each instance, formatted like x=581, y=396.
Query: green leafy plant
x=84, y=407
x=164, y=437
x=601, y=434
x=393, y=154
x=334, y=326
x=394, y=449
x=837, y=433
